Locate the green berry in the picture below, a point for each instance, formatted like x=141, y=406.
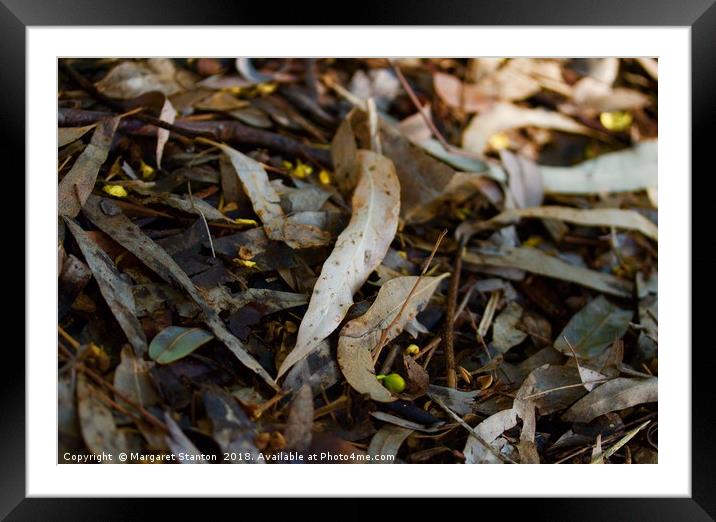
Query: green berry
x=394, y=382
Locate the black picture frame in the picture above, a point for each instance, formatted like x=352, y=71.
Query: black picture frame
x=699, y=15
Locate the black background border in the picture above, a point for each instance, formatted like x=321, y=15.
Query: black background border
x=699, y=15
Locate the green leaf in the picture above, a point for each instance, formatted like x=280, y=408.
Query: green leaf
x=593, y=328
x=175, y=342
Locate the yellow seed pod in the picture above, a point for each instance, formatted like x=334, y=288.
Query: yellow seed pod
x=266, y=88
x=499, y=141
x=394, y=382
x=616, y=121
x=412, y=349
x=118, y=191
x=145, y=169
x=241, y=221
x=324, y=177
x=301, y=170
x=464, y=374
x=244, y=262
x=533, y=241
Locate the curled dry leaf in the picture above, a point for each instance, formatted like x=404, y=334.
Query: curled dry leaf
x=489, y=429
x=319, y=370
x=359, y=249
x=130, y=79
x=597, y=217
x=131, y=237
x=115, y=290
x=361, y=335
x=622, y=171
x=537, y=262
x=504, y=116
x=593, y=328
x=615, y=395
x=77, y=185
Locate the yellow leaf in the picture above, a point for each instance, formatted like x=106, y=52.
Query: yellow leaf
x=146, y=170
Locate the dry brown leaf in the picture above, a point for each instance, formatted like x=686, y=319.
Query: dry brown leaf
x=167, y=114
x=66, y=135
x=489, y=429
x=115, y=290
x=99, y=429
x=359, y=249
x=537, y=262
x=387, y=441
x=597, y=217
x=505, y=116
x=617, y=394
x=130, y=79
x=77, y=185
x=362, y=334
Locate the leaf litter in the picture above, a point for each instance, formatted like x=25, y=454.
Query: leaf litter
x=242, y=269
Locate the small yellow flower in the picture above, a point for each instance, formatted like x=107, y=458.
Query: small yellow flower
x=118, y=191
x=499, y=141
x=324, y=177
x=616, y=121
x=412, y=349
x=301, y=170
x=244, y=262
x=145, y=169
x=266, y=88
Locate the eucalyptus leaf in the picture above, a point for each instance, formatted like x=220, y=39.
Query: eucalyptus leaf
x=593, y=328
x=175, y=342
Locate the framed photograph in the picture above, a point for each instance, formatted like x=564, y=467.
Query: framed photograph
x=427, y=238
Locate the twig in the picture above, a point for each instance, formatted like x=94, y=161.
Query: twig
x=375, y=144
x=545, y=392
x=413, y=98
x=472, y=431
x=449, y=333
x=384, y=335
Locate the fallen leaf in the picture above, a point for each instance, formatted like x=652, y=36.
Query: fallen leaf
x=358, y=251
x=131, y=237
x=115, y=290
x=77, y=185
x=597, y=97
x=360, y=336
x=537, y=262
x=505, y=329
x=167, y=114
x=131, y=378
x=386, y=442
x=233, y=431
x=505, y=116
x=180, y=443
x=458, y=401
x=617, y=394
x=622, y=171
x=489, y=430
x=593, y=328
x=299, y=425
x=319, y=370
x=596, y=217
x=130, y=79
x=99, y=429
x=176, y=342
x=66, y=135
